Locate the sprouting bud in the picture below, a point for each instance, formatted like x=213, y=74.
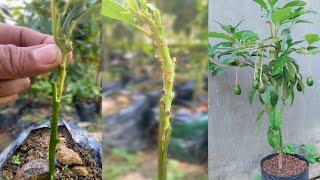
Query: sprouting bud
x=73, y=12
x=174, y=59
x=162, y=101
x=167, y=112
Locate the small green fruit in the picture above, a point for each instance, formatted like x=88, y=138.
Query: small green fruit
x=237, y=90
x=261, y=88
x=299, y=88
x=255, y=84
x=309, y=81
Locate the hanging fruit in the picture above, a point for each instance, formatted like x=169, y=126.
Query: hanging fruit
x=237, y=89
x=309, y=81
x=261, y=88
x=255, y=84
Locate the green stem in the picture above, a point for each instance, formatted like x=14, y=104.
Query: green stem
x=54, y=131
x=261, y=68
x=57, y=95
x=168, y=72
x=157, y=33
x=168, y=66
x=57, y=91
x=62, y=73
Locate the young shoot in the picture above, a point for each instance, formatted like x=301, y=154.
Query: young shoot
x=146, y=18
x=63, y=24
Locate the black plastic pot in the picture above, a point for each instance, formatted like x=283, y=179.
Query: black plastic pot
x=79, y=136
x=189, y=141
x=10, y=115
x=87, y=111
x=127, y=128
x=112, y=87
x=184, y=91
x=154, y=97
x=302, y=176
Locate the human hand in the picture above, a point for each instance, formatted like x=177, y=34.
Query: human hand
x=24, y=53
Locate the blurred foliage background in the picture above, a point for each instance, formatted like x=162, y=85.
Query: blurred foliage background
x=83, y=80
x=186, y=23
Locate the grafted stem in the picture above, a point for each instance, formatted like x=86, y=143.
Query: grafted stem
x=168, y=63
x=168, y=66
x=54, y=131
x=57, y=91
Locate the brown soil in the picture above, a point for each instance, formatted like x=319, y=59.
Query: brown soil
x=200, y=108
x=114, y=103
x=291, y=166
x=36, y=147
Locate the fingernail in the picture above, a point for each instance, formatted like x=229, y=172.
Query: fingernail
x=46, y=55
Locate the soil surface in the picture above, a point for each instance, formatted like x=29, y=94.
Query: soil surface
x=291, y=166
x=114, y=103
x=36, y=146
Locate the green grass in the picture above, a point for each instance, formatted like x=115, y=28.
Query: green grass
x=121, y=162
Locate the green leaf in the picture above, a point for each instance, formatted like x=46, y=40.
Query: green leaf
x=74, y=10
x=258, y=120
x=115, y=10
x=278, y=116
x=246, y=36
x=132, y=4
x=281, y=15
x=251, y=95
x=220, y=36
x=291, y=70
x=289, y=149
x=228, y=28
x=215, y=70
x=303, y=21
x=272, y=2
x=273, y=97
x=295, y=3
x=262, y=4
x=300, y=82
x=312, y=38
x=292, y=95
x=274, y=138
x=309, y=148
x=265, y=97
x=278, y=64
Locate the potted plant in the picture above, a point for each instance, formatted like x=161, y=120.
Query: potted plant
x=86, y=95
x=276, y=74
x=146, y=18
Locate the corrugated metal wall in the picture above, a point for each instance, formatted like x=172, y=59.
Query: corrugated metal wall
x=235, y=149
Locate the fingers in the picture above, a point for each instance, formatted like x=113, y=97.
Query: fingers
x=23, y=37
x=21, y=62
x=8, y=99
x=11, y=87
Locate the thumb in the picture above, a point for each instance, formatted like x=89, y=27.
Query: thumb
x=20, y=62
